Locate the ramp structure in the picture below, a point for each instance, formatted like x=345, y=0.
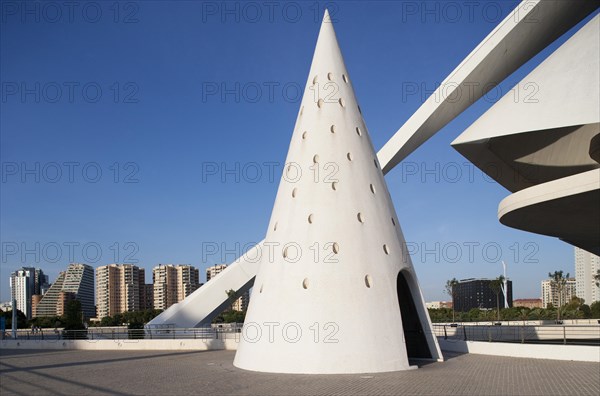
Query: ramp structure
x=532, y=26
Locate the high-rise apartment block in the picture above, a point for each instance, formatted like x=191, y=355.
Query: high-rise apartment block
x=120, y=288
x=241, y=304
x=24, y=283
x=215, y=270
x=173, y=283
x=77, y=282
x=551, y=294
x=587, y=266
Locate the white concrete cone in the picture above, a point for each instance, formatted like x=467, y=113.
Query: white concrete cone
x=326, y=297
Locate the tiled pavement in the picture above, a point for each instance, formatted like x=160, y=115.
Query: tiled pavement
x=24, y=372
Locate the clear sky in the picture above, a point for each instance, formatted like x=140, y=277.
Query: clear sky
x=115, y=116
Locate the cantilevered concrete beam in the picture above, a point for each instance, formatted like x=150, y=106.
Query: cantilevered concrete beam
x=530, y=28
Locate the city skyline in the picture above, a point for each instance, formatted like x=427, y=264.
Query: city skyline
x=158, y=180
x=213, y=270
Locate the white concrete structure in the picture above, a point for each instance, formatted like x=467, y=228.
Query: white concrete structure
x=540, y=22
x=338, y=262
x=530, y=28
x=577, y=353
x=587, y=266
x=542, y=149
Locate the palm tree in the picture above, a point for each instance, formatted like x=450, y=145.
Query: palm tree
x=496, y=286
x=559, y=283
x=451, y=290
x=231, y=298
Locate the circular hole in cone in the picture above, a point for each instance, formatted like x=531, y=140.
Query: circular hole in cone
x=335, y=248
x=261, y=288
x=345, y=78
x=275, y=227
x=305, y=283
x=393, y=221
x=316, y=158
x=386, y=249
x=304, y=135
x=301, y=110
x=330, y=76
x=368, y=281
x=294, y=192
x=372, y=187
x=315, y=79
x=375, y=162
x=358, y=131
x=342, y=102
x=359, y=110
x=332, y=129
x=320, y=103
x=311, y=217
x=349, y=156
x=360, y=217
x=334, y=186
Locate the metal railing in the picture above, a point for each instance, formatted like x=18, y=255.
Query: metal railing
x=124, y=333
x=525, y=333
x=531, y=334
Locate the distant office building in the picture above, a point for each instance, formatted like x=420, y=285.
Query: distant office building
x=550, y=294
x=77, y=282
x=528, y=302
x=438, y=304
x=119, y=288
x=241, y=304
x=477, y=293
x=173, y=283
x=587, y=266
x=40, y=282
x=24, y=283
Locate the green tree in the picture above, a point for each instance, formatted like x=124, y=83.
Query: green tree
x=231, y=297
x=496, y=286
x=595, y=310
x=524, y=314
x=21, y=319
x=559, y=283
x=597, y=278
x=451, y=291
x=46, y=321
x=73, y=320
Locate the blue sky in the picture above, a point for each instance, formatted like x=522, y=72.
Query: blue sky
x=110, y=114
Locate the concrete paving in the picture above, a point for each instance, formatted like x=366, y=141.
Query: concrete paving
x=71, y=372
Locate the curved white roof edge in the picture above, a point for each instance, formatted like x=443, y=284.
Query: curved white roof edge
x=555, y=189
x=564, y=90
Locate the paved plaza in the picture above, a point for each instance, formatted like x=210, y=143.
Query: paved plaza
x=69, y=372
